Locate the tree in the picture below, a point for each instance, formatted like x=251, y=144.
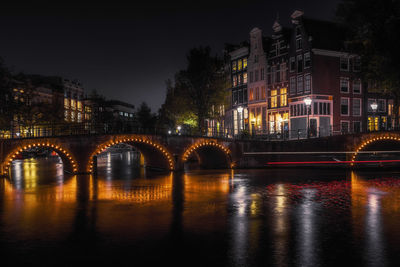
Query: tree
x=146, y=119
x=198, y=91
x=373, y=33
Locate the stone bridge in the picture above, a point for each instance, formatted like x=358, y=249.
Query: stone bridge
x=79, y=152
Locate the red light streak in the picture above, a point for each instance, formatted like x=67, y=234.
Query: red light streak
x=330, y=162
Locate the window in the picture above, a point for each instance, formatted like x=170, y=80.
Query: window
x=240, y=94
x=315, y=108
x=344, y=106
x=235, y=82
x=251, y=76
x=235, y=98
x=292, y=85
x=274, y=99
x=344, y=85
x=373, y=123
x=300, y=84
x=307, y=83
x=344, y=126
x=245, y=63
x=269, y=75
x=356, y=106
x=256, y=75
x=344, y=63
x=307, y=60
x=273, y=74
x=357, y=86
x=263, y=93
x=283, y=72
x=234, y=69
x=278, y=73
x=251, y=94
x=240, y=79
x=245, y=96
x=257, y=93
x=357, y=64
x=244, y=77
x=299, y=44
x=283, y=97
x=262, y=73
x=255, y=58
x=240, y=65
x=299, y=63
x=381, y=105
x=292, y=64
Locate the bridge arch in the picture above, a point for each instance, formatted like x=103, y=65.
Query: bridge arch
x=155, y=154
x=372, y=139
x=210, y=154
x=69, y=162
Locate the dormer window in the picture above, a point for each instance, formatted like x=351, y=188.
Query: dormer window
x=299, y=44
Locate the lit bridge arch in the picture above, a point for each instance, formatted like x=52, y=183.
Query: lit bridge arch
x=155, y=154
x=372, y=139
x=210, y=154
x=69, y=162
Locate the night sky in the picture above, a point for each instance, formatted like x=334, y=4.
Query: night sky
x=127, y=52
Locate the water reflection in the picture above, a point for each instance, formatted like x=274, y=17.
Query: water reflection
x=229, y=218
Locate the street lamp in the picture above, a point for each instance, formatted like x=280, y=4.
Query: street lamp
x=308, y=101
x=179, y=129
x=374, y=107
x=240, y=110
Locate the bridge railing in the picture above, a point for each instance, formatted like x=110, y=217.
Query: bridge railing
x=65, y=129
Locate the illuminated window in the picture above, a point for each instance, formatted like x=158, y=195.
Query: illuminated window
x=240, y=64
x=373, y=123
x=251, y=94
x=234, y=66
x=263, y=93
x=283, y=97
x=66, y=102
x=274, y=99
x=79, y=105
x=73, y=104
x=235, y=81
x=244, y=77
x=244, y=63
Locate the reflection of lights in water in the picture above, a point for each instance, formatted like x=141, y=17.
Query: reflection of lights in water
x=30, y=173
x=17, y=173
x=240, y=225
x=306, y=243
x=373, y=229
x=280, y=229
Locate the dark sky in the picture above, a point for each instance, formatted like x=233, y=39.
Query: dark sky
x=127, y=52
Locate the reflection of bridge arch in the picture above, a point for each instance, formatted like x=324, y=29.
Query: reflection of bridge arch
x=210, y=154
x=70, y=164
x=154, y=153
x=374, y=138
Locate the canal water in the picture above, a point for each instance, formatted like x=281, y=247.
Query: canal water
x=129, y=216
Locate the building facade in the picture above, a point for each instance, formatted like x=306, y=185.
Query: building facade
x=257, y=84
x=238, y=113
x=73, y=101
x=277, y=81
